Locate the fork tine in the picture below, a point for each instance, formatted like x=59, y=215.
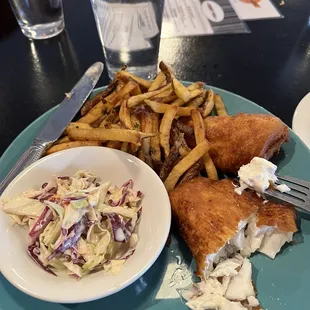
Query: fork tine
x=296, y=194
x=294, y=180
x=285, y=198
x=294, y=186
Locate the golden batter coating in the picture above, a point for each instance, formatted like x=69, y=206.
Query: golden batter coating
x=237, y=139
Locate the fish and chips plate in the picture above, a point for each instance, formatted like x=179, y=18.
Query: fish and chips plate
x=214, y=153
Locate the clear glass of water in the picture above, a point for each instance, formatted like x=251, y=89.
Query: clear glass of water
x=39, y=19
x=129, y=31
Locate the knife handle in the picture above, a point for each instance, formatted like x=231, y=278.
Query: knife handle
x=32, y=154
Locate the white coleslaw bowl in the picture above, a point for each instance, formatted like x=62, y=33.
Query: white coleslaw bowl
x=108, y=164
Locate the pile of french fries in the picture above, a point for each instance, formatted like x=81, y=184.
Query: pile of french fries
x=160, y=121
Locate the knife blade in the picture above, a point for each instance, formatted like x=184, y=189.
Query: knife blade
x=57, y=122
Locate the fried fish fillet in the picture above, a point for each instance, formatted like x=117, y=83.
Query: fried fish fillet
x=237, y=139
x=208, y=214
x=215, y=222
x=282, y=217
x=273, y=226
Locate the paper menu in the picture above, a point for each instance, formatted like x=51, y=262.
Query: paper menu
x=131, y=25
x=200, y=17
x=255, y=9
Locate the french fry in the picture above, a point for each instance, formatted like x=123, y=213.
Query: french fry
x=193, y=94
x=90, y=104
x=136, y=91
x=157, y=107
x=165, y=127
x=135, y=100
x=136, y=124
x=146, y=84
x=64, y=139
x=160, y=78
x=97, y=98
x=124, y=115
x=219, y=105
x=103, y=134
x=141, y=154
x=69, y=145
x=164, y=94
x=116, y=119
x=148, y=160
x=162, y=108
x=184, y=148
x=124, y=147
x=198, y=101
x=114, y=126
x=93, y=114
x=144, y=135
x=167, y=71
x=114, y=145
x=155, y=144
x=170, y=159
x=147, y=127
x=121, y=112
x=126, y=89
x=121, y=84
x=76, y=125
x=185, y=111
x=152, y=125
x=109, y=118
x=97, y=123
x=180, y=90
x=208, y=105
x=112, y=95
x=185, y=164
x=165, y=97
x=200, y=136
x=139, y=110
x=196, y=85
x=176, y=134
x=188, y=130
x=199, y=127
x=193, y=171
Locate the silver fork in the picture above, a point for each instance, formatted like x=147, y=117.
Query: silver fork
x=298, y=196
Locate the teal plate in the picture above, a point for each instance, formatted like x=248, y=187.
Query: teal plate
x=282, y=284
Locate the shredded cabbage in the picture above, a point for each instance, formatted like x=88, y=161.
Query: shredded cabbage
x=77, y=224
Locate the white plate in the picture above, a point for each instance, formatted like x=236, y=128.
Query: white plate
x=301, y=120
x=108, y=164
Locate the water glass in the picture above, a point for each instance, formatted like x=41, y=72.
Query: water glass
x=39, y=19
x=129, y=31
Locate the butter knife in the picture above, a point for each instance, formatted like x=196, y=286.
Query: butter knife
x=57, y=122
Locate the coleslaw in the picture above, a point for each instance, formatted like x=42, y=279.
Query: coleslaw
x=78, y=224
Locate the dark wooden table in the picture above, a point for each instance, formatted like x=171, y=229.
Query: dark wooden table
x=270, y=66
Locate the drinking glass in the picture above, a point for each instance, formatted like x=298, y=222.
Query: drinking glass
x=129, y=31
x=39, y=19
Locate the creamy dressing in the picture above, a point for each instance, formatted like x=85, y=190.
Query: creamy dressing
x=114, y=266
x=283, y=188
x=258, y=175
